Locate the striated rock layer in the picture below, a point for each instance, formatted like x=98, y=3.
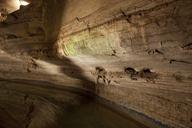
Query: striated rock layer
x=134, y=53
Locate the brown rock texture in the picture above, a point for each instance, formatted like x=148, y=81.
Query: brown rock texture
x=134, y=53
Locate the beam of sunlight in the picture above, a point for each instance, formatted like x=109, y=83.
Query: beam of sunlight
x=24, y=3
x=47, y=66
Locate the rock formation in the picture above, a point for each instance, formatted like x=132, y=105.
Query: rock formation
x=133, y=53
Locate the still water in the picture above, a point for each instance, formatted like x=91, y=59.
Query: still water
x=94, y=115
x=30, y=105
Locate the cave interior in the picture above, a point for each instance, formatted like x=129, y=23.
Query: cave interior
x=96, y=63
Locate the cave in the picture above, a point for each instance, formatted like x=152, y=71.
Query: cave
x=95, y=64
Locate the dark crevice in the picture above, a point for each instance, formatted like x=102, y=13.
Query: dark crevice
x=145, y=73
x=178, y=61
x=148, y=75
x=154, y=51
x=101, y=73
x=10, y=36
x=131, y=72
x=187, y=46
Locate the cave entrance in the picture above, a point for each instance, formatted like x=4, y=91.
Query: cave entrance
x=9, y=6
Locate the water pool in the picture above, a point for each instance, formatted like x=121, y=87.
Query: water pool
x=24, y=105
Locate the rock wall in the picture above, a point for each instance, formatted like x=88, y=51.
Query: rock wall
x=137, y=52
x=27, y=45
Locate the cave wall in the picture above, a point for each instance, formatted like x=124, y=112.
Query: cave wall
x=139, y=49
x=27, y=45
x=118, y=35
x=36, y=25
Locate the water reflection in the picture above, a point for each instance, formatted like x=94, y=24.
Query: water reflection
x=26, y=105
